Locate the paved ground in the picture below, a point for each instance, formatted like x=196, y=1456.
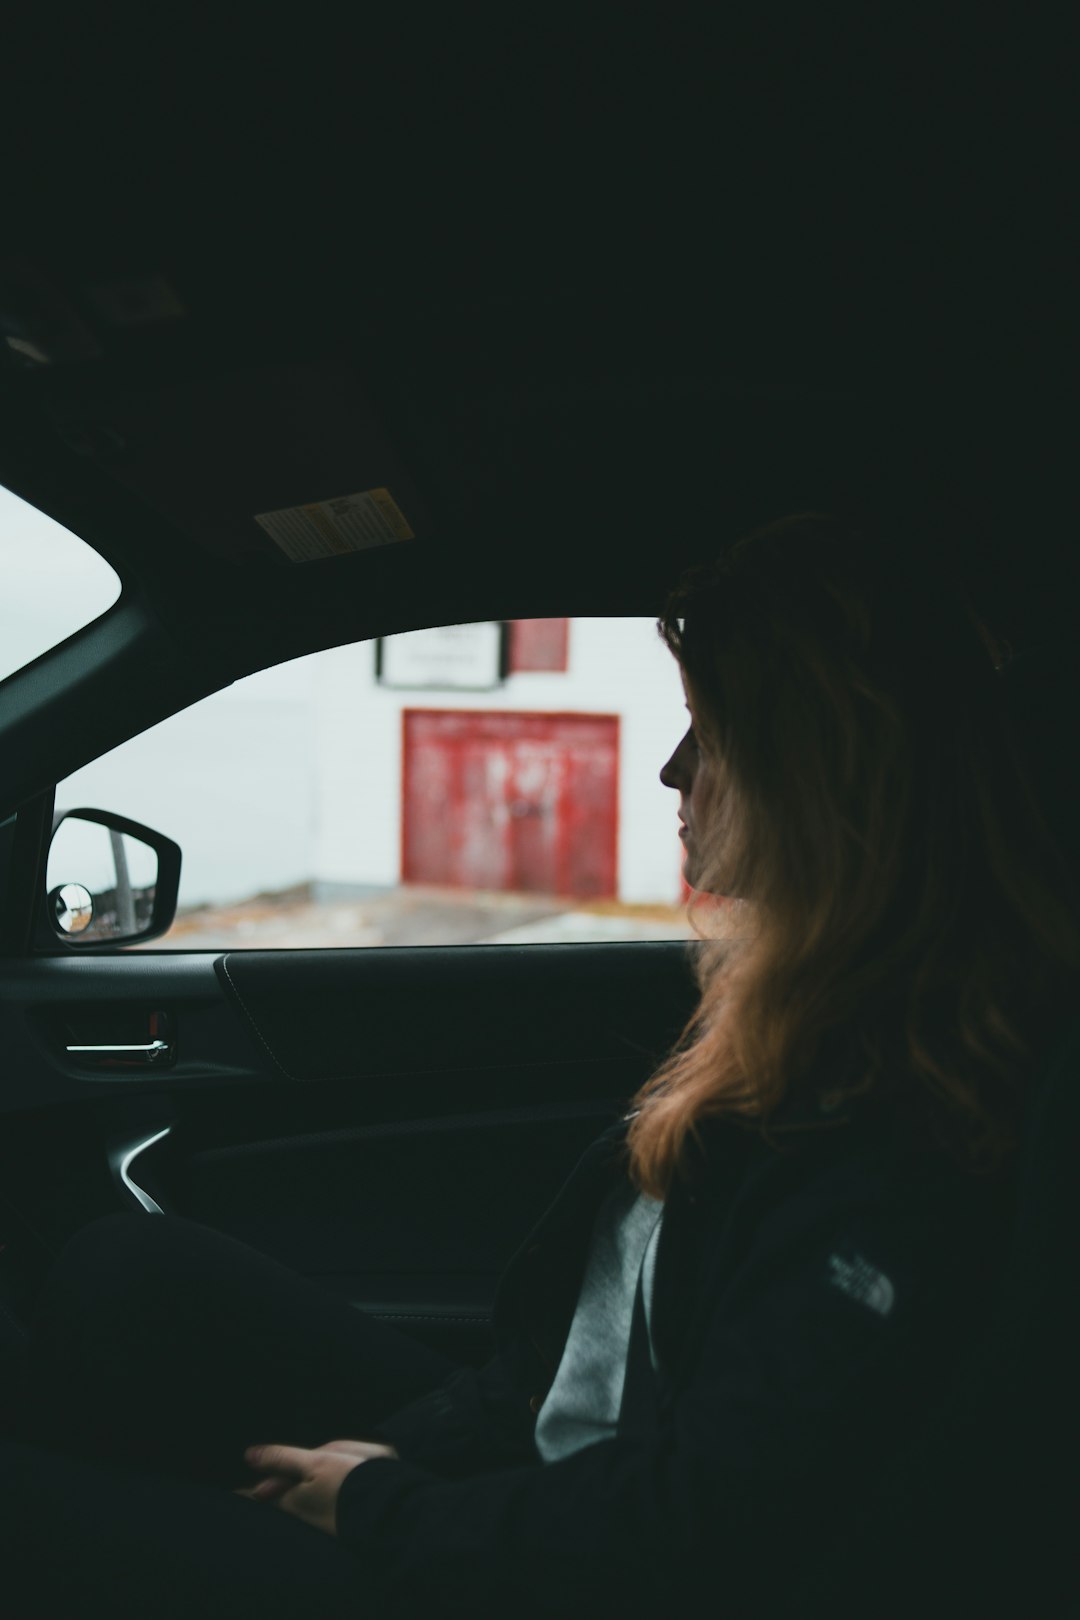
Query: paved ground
x=417, y=915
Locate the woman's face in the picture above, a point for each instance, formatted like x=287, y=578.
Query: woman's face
x=694, y=773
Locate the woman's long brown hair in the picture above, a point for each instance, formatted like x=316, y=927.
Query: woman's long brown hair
x=902, y=922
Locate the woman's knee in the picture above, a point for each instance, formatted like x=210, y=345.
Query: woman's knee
x=121, y=1238
x=107, y=1259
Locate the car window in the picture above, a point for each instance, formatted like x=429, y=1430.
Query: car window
x=493, y=782
x=51, y=583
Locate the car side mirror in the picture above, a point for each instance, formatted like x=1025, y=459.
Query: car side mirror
x=108, y=881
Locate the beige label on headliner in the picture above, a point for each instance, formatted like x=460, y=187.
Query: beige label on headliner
x=332, y=528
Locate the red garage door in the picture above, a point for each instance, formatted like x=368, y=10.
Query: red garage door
x=526, y=802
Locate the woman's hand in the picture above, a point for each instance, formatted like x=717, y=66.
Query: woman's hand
x=306, y=1483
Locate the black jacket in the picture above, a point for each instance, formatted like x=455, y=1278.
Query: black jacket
x=812, y=1299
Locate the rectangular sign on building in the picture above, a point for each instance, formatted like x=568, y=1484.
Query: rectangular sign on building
x=539, y=644
x=455, y=657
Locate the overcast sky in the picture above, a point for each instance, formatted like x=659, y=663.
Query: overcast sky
x=51, y=583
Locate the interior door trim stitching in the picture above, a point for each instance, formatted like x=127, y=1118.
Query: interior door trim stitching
x=417, y=1316
x=248, y=1015
x=479, y=1066
x=599, y=1109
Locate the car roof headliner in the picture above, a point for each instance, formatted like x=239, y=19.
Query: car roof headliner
x=568, y=408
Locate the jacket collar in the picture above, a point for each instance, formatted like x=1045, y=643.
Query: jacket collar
x=722, y=1139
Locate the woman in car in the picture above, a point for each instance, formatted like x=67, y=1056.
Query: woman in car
x=753, y=1286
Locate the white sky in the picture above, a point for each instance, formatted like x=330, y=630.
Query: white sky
x=51, y=583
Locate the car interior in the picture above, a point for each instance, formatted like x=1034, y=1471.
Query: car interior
x=562, y=438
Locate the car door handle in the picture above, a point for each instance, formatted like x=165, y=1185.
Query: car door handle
x=151, y=1050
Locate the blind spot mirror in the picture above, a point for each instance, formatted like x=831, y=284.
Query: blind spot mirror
x=72, y=908
x=108, y=880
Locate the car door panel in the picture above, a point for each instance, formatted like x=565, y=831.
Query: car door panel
x=389, y=1123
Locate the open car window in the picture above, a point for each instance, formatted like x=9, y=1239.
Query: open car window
x=494, y=782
